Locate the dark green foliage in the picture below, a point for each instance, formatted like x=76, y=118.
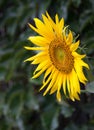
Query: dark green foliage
x=22, y=106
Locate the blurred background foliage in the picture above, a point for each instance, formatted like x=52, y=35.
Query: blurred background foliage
x=22, y=106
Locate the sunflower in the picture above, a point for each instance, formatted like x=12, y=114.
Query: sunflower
x=57, y=57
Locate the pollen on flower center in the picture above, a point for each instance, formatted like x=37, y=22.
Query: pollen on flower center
x=61, y=56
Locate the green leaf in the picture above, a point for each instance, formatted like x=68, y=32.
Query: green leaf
x=55, y=122
x=66, y=109
x=90, y=87
x=76, y=3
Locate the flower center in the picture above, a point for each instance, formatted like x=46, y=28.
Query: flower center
x=61, y=56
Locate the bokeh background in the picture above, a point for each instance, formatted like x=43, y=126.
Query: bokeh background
x=22, y=106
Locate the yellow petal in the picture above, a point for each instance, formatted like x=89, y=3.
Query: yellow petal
x=53, y=89
x=42, y=30
x=39, y=73
x=32, y=27
x=39, y=24
x=30, y=59
x=64, y=83
x=38, y=40
x=74, y=83
x=79, y=72
x=74, y=46
x=34, y=48
x=48, y=71
x=61, y=24
x=77, y=96
x=39, y=55
x=76, y=55
x=35, y=61
x=51, y=21
x=38, y=60
x=51, y=83
x=82, y=63
x=60, y=81
x=70, y=38
x=55, y=86
x=58, y=95
x=47, y=81
x=48, y=24
x=56, y=19
x=72, y=98
x=68, y=85
x=59, y=86
x=42, y=65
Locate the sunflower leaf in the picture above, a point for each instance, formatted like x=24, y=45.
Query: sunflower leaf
x=90, y=87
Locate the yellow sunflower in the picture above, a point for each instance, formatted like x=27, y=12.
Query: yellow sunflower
x=57, y=57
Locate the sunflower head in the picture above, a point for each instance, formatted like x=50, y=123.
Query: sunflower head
x=57, y=58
